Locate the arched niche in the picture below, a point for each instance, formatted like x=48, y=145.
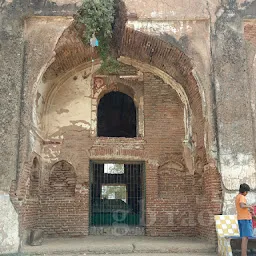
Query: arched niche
x=62, y=180
x=34, y=179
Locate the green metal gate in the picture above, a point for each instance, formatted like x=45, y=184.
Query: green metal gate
x=117, y=192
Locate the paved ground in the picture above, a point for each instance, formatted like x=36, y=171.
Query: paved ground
x=123, y=246
x=139, y=246
x=145, y=254
x=133, y=254
x=129, y=254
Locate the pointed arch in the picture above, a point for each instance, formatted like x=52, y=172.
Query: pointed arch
x=62, y=179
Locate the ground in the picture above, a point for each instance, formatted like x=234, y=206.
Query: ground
x=150, y=254
x=134, y=254
x=120, y=245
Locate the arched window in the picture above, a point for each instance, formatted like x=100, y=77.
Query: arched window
x=34, y=179
x=116, y=116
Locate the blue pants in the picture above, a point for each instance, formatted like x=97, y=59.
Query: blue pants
x=245, y=228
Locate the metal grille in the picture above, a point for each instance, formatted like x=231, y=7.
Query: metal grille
x=117, y=193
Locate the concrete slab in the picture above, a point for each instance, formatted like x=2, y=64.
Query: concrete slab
x=120, y=245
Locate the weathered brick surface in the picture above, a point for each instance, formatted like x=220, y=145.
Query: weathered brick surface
x=229, y=62
x=64, y=216
x=34, y=179
x=26, y=205
x=171, y=60
x=250, y=31
x=62, y=181
x=70, y=52
x=209, y=201
x=177, y=202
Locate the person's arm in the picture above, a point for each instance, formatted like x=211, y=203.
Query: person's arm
x=243, y=204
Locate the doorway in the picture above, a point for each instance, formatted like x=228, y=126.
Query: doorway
x=117, y=195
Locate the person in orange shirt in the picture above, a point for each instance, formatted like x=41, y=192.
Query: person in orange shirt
x=244, y=217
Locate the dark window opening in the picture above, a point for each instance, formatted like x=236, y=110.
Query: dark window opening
x=117, y=192
x=116, y=116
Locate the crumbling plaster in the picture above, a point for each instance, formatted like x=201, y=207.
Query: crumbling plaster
x=235, y=131
x=43, y=89
x=69, y=102
x=198, y=51
x=12, y=52
x=17, y=142
x=41, y=35
x=159, y=9
x=9, y=233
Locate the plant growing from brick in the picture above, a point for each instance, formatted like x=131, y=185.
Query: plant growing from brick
x=98, y=17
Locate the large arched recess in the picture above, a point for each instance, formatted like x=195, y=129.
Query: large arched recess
x=141, y=50
x=148, y=54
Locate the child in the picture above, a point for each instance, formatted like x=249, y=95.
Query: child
x=244, y=217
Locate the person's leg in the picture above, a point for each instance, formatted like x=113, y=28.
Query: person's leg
x=250, y=227
x=244, y=246
x=245, y=228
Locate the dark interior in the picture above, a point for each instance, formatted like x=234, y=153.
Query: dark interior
x=116, y=116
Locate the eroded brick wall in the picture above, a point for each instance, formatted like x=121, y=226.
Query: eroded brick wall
x=34, y=179
x=62, y=208
x=62, y=181
x=209, y=201
x=250, y=31
x=66, y=216
x=167, y=189
x=172, y=205
x=25, y=197
x=172, y=212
